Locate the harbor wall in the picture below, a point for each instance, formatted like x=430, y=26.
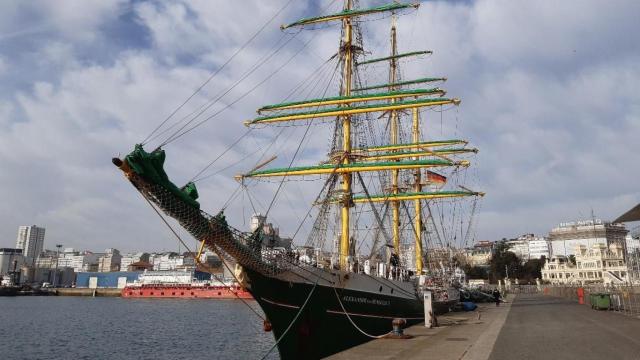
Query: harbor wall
x=87, y=292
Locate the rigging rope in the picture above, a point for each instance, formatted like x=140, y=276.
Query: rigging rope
x=221, y=155
x=300, y=144
x=215, y=73
x=177, y=135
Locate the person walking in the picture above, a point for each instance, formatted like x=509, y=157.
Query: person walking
x=496, y=296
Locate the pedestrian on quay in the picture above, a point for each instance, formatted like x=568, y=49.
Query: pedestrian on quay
x=496, y=296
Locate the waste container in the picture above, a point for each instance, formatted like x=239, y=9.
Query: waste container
x=601, y=301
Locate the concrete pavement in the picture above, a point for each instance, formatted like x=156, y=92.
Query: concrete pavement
x=529, y=326
x=464, y=335
x=545, y=327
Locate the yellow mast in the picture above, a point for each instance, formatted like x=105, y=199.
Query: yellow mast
x=346, y=140
x=417, y=187
x=395, y=209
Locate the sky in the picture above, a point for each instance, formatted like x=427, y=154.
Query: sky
x=550, y=96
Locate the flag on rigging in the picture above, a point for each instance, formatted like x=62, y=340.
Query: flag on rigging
x=436, y=180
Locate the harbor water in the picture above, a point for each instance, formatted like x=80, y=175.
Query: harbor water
x=117, y=328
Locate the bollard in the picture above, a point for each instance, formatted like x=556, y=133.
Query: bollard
x=398, y=325
x=398, y=332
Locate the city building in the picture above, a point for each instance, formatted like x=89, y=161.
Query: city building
x=539, y=247
x=596, y=264
x=529, y=246
x=520, y=247
x=31, y=241
x=139, y=266
x=480, y=254
x=78, y=261
x=45, y=260
x=172, y=261
x=110, y=261
x=128, y=259
x=567, y=237
x=270, y=234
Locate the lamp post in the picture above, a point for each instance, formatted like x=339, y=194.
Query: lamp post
x=55, y=274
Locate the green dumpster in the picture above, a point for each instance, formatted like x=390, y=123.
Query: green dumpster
x=601, y=301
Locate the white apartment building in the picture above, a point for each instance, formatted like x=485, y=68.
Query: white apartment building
x=529, y=246
x=31, y=241
x=128, y=259
x=110, y=261
x=171, y=261
x=539, y=247
x=80, y=261
x=520, y=247
x=597, y=264
x=567, y=237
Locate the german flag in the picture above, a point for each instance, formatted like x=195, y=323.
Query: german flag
x=434, y=178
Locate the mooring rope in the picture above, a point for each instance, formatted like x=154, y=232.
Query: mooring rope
x=353, y=323
x=292, y=321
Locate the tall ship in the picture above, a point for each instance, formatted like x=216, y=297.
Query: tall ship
x=382, y=182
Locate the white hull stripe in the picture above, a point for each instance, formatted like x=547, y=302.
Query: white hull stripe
x=340, y=312
x=373, y=316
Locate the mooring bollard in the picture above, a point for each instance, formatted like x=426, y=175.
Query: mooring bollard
x=398, y=330
x=398, y=326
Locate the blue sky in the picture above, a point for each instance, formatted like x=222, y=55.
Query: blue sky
x=550, y=97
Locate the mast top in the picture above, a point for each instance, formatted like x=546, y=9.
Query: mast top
x=350, y=13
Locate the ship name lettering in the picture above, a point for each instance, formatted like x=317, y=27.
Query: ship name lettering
x=364, y=300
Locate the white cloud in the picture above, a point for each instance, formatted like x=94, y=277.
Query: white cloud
x=555, y=127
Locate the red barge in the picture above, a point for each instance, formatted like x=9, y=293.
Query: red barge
x=189, y=291
x=184, y=285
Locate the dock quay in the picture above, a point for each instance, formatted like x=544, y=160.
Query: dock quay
x=527, y=326
x=87, y=292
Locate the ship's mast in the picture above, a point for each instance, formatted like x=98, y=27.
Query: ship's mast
x=389, y=158
x=417, y=187
x=395, y=205
x=346, y=137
